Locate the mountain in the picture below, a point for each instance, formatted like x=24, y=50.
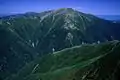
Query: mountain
x=85, y=62
x=5, y=14
x=24, y=37
x=1, y=15
x=110, y=17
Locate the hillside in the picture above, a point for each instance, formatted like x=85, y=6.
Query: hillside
x=85, y=62
x=23, y=37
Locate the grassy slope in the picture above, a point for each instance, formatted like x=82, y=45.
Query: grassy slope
x=77, y=63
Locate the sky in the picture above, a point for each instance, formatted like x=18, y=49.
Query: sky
x=96, y=7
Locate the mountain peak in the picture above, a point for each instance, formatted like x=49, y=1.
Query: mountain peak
x=68, y=9
x=64, y=10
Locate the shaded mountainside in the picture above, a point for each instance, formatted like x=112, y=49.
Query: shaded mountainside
x=23, y=37
x=52, y=29
x=85, y=62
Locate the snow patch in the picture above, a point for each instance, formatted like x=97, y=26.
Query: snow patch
x=98, y=42
x=53, y=50
x=8, y=23
x=33, y=45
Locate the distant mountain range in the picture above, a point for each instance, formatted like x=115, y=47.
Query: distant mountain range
x=3, y=15
x=110, y=17
x=24, y=37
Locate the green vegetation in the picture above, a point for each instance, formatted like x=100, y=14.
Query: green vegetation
x=85, y=61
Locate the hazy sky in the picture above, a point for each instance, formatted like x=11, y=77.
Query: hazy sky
x=97, y=7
